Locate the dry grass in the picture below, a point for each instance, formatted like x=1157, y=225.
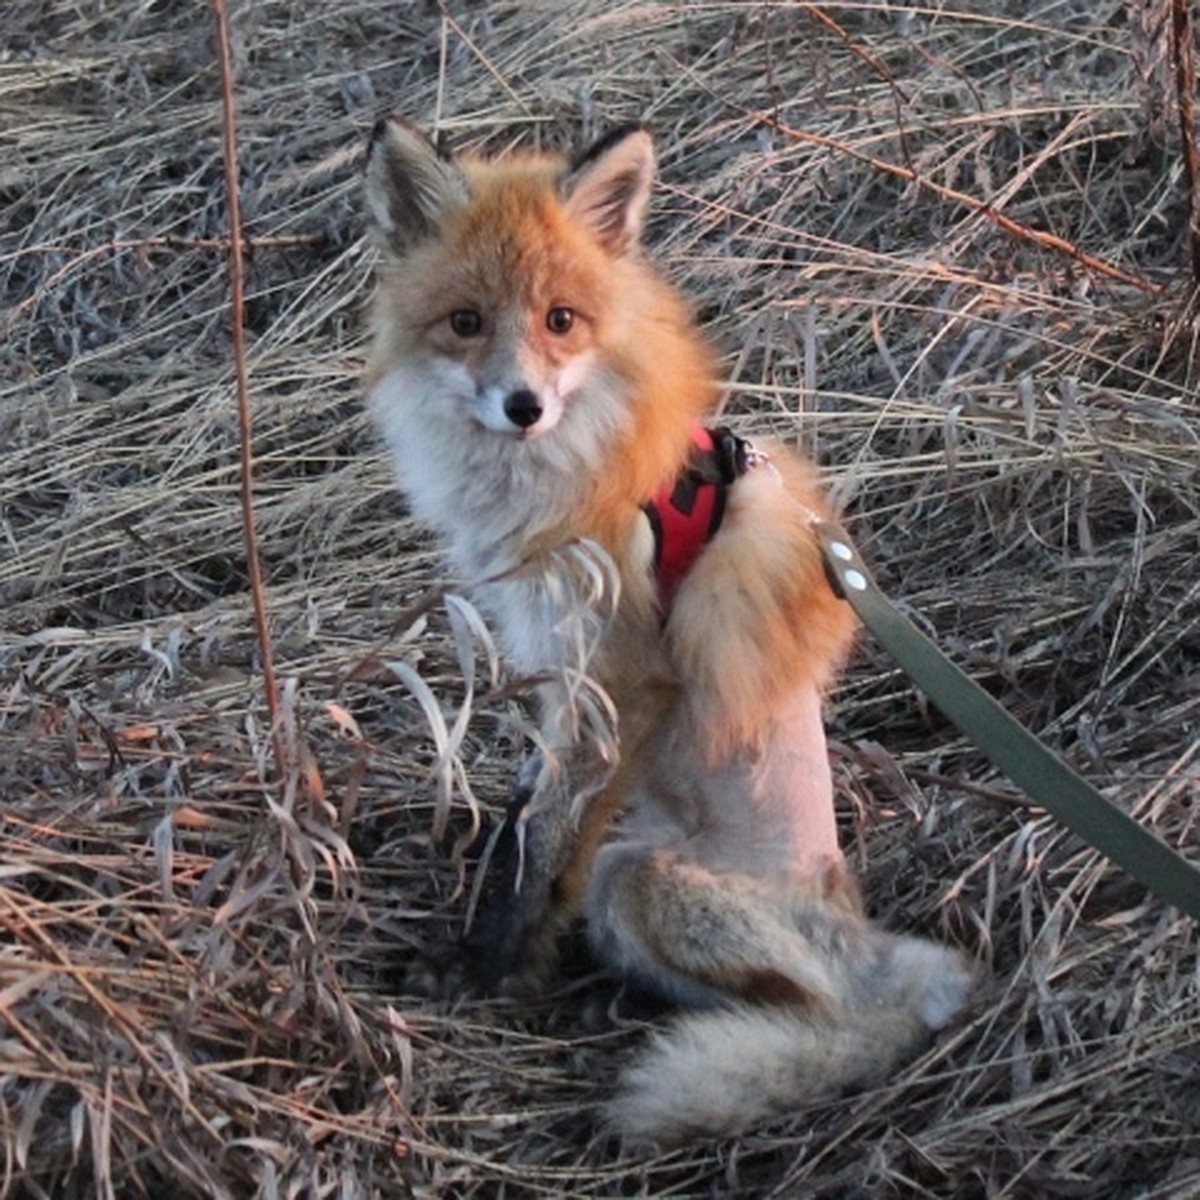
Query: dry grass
x=198, y=971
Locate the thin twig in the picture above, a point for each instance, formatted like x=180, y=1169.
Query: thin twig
x=1049, y=241
x=818, y=14
x=1019, y=229
x=899, y=95
x=237, y=312
x=1183, y=53
x=484, y=61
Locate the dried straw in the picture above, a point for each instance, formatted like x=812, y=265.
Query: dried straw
x=945, y=249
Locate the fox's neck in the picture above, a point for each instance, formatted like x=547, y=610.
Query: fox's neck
x=514, y=501
x=520, y=507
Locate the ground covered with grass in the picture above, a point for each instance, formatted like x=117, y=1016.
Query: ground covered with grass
x=943, y=247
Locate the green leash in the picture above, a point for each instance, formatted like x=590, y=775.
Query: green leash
x=1010, y=747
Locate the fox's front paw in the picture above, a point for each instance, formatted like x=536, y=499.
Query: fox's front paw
x=480, y=961
x=437, y=975
x=511, y=947
x=504, y=954
x=461, y=969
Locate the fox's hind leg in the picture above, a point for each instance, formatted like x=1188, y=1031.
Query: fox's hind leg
x=800, y=996
x=698, y=936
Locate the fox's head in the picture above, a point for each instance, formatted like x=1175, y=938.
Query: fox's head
x=500, y=279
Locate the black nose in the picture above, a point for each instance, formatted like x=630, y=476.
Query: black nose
x=522, y=408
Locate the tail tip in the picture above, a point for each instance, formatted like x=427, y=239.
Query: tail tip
x=942, y=980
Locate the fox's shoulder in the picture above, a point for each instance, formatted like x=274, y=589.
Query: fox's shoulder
x=756, y=617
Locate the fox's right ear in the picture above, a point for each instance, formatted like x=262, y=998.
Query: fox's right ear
x=608, y=186
x=411, y=185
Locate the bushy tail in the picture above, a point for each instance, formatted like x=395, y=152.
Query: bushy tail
x=721, y=1071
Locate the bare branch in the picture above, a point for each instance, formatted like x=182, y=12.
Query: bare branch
x=1183, y=53
x=237, y=313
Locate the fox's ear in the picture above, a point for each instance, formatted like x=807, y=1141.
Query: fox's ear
x=410, y=184
x=608, y=186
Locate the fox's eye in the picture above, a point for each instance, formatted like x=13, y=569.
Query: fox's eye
x=466, y=322
x=560, y=319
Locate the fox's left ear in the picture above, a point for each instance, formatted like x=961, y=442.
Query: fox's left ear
x=608, y=187
x=411, y=186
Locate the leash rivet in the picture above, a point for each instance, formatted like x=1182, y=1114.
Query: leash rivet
x=856, y=580
x=842, y=551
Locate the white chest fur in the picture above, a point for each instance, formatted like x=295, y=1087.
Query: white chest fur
x=490, y=496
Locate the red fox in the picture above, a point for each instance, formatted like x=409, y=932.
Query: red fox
x=541, y=388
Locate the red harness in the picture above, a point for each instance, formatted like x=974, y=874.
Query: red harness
x=685, y=515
